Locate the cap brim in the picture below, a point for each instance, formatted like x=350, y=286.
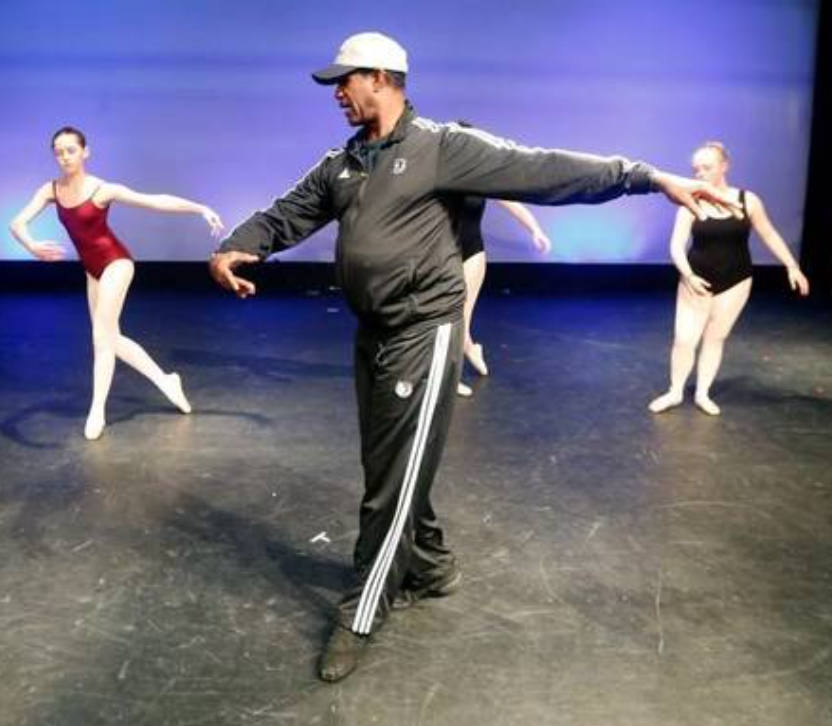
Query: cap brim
x=332, y=74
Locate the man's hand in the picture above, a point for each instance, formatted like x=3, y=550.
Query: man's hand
x=222, y=267
x=689, y=192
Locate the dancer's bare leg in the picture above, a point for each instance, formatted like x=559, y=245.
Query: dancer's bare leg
x=692, y=313
x=474, y=271
x=725, y=311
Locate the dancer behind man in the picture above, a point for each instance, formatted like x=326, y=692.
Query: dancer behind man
x=398, y=262
x=472, y=249
x=83, y=201
x=715, y=279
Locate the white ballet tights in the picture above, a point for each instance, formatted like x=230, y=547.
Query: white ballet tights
x=106, y=298
x=704, y=322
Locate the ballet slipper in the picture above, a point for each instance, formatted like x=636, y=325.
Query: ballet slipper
x=94, y=427
x=474, y=355
x=464, y=390
x=665, y=402
x=706, y=405
x=174, y=392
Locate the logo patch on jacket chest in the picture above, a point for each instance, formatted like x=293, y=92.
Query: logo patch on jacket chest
x=399, y=166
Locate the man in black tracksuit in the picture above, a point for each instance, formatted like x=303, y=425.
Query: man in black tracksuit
x=393, y=189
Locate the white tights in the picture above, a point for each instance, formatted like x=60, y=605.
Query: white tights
x=705, y=319
x=106, y=300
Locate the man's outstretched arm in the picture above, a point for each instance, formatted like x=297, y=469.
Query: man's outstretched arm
x=299, y=213
x=475, y=162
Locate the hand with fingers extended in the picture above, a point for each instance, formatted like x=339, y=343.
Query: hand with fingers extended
x=222, y=267
x=213, y=220
x=697, y=285
x=690, y=193
x=47, y=251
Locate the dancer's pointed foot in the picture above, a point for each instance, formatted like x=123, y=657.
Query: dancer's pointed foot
x=666, y=401
x=706, y=405
x=464, y=390
x=94, y=426
x=173, y=390
x=475, y=357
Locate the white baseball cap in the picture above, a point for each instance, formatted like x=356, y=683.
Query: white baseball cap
x=365, y=50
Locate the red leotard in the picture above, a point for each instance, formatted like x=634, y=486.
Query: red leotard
x=87, y=227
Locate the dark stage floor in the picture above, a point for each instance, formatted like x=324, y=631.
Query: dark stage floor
x=621, y=569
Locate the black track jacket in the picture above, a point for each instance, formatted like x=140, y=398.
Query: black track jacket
x=397, y=256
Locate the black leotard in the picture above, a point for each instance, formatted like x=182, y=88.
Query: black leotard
x=469, y=225
x=719, y=252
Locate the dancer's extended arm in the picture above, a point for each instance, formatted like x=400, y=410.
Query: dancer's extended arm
x=160, y=202
x=524, y=215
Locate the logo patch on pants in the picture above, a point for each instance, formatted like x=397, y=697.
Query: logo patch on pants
x=403, y=389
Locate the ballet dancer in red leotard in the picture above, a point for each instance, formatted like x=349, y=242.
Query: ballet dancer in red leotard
x=82, y=202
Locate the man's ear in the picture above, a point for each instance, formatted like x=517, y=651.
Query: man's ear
x=380, y=80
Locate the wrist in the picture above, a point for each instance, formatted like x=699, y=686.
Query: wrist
x=641, y=178
x=657, y=178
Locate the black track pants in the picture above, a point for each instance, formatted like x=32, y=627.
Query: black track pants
x=406, y=387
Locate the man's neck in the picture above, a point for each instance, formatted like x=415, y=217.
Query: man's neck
x=386, y=121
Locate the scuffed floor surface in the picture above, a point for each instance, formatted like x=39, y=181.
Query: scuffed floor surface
x=621, y=568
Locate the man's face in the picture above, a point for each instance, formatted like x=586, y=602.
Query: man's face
x=356, y=95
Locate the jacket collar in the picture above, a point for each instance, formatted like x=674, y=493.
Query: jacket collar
x=397, y=134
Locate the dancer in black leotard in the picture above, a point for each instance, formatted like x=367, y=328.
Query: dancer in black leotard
x=472, y=247
x=715, y=279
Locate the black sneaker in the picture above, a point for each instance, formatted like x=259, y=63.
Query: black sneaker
x=443, y=586
x=341, y=654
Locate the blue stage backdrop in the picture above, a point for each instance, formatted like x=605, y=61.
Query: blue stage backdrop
x=212, y=100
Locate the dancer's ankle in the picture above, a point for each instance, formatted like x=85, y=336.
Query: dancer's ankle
x=475, y=357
